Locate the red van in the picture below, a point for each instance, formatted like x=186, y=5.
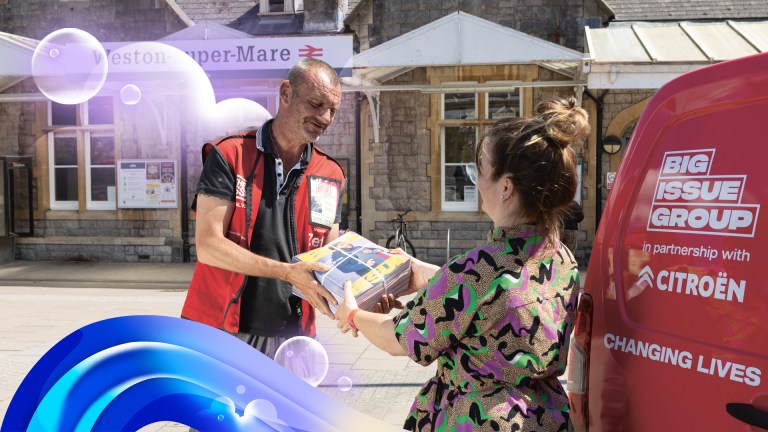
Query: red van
x=672, y=327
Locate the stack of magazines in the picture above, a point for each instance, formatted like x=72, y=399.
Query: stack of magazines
x=373, y=271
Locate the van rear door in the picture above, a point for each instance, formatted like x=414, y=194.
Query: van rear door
x=679, y=269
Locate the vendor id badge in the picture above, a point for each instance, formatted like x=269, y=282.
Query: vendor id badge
x=323, y=200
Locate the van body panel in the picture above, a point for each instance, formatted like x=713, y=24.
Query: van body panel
x=679, y=263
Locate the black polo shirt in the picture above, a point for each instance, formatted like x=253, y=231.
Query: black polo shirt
x=268, y=307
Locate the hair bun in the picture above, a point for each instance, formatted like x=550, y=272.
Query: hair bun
x=564, y=121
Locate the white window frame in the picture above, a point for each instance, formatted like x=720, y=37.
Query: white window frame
x=519, y=103
x=444, y=123
x=55, y=204
x=289, y=7
x=481, y=122
x=454, y=205
x=82, y=133
x=89, y=203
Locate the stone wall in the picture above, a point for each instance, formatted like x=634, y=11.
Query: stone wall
x=104, y=240
x=558, y=21
x=324, y=15
x=431, y=238
x=400, y=170
x=16, y=123
x=106, y=20
x=614, y=103
x=340, y=141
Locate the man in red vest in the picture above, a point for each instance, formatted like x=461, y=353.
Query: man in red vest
x=253, y=216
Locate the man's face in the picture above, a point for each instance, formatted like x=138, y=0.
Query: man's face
x=311, y=105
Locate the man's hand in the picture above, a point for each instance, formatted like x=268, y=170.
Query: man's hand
x=301, y=276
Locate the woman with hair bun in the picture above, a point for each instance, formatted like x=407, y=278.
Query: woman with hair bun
x=497, y=318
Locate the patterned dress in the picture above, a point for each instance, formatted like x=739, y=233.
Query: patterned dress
x=497, y=319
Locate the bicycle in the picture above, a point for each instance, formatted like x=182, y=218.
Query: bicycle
x=400, y=239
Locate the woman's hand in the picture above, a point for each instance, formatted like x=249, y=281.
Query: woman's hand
x=347, y=305
x=421, y=273
x=387, y=303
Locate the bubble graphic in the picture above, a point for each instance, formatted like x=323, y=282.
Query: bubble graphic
x=240, y=389
x=130, y=94
x=262, y=409
x=220, y=417
x=308, y=361
x=289, y=353
x=344, y=383
x=165, y=73
x=266, y=412
x=236, y=114
x=69, y=66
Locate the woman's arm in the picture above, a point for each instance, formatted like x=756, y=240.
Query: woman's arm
x=378, y=328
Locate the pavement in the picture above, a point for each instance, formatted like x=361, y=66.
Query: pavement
x=41, y=302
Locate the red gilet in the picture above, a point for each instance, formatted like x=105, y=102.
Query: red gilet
x=214, y=293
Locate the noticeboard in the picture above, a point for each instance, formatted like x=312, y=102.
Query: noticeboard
x=148, y=183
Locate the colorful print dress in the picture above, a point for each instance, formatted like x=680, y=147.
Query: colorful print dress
x=497, y=319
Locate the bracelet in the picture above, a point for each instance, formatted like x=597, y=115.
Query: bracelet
x=351, y=317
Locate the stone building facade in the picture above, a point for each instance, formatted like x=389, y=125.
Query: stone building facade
x=159, y=127
x=390, y=141
x=403, y=170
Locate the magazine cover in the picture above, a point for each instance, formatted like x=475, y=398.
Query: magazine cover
x=372, y=270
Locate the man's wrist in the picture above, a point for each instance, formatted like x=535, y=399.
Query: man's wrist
x=351, y=318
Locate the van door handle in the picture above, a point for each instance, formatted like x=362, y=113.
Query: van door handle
x=748, y=414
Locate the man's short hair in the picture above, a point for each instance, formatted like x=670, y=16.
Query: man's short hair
x=299, y=71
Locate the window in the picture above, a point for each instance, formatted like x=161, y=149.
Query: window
x=463, y=120
x=81, y=145
x=280, y=6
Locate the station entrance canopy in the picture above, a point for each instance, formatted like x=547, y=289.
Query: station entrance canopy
x=644, y=55
x=459, y=39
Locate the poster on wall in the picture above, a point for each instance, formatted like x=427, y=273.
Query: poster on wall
x=151, y=183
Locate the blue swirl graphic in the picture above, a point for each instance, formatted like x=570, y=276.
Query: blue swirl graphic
x=128, y=372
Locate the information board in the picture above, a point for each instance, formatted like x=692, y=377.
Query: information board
x=150, y=183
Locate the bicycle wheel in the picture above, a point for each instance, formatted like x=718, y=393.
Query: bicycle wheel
x=405, y=245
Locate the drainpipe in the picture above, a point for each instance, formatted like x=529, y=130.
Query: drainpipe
x=184, y=203
x=599, y=155
x=358, y=166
